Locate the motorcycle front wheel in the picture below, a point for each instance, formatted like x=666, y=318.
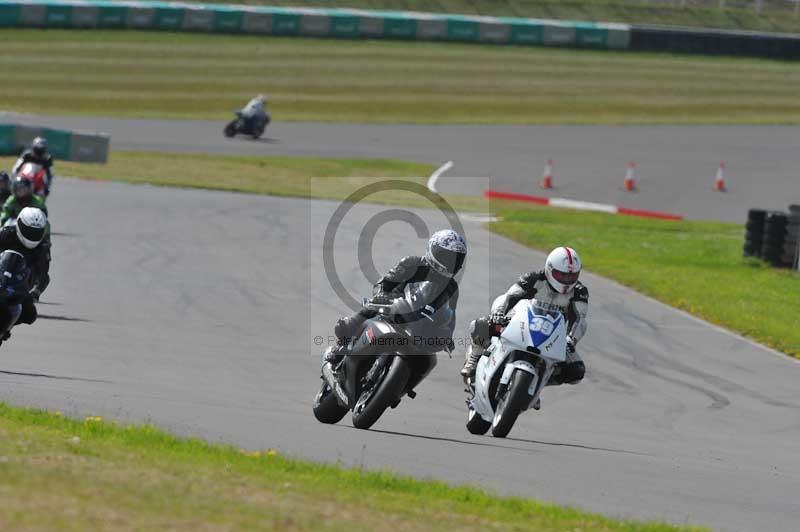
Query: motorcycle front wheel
x=230, y=129
x=387, y=391
x=511, y=403
x=326, y=408
x=476, y=424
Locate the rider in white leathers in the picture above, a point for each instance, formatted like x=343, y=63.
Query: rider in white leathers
x=556, y=285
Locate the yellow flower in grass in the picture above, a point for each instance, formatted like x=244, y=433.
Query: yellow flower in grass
x=93, y=419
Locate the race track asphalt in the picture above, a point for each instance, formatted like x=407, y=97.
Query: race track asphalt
x=198, y=310
x=676, y=164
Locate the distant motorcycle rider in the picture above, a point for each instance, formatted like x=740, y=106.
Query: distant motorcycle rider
x=255, y=113
x=36, y=153
x=5, y=187
x=557, y=285
x=21, y=196
x=443, y=259
x=27, y=237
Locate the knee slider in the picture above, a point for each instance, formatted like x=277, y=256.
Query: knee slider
x=573, y=372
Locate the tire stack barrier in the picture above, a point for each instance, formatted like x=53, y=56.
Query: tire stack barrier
x=791, y=248
x=774, y=238
x=754, y=233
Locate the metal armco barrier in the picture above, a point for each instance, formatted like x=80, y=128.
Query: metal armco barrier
x=342, y=23
x=66, y=145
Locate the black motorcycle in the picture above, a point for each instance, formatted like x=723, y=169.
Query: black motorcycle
x=254, y=127
x=14, y=279
x=391, y=355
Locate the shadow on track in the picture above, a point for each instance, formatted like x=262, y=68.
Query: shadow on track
x=47, y=376
x=62, y=318
x=577, y=446
x=499, y=445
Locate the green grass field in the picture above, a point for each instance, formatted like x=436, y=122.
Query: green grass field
x=694, y=266
x=160, y=75
x=702, y=13
x=63, y=474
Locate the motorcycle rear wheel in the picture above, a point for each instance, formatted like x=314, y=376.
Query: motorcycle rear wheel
x=512, y=403
x=326, y=408
x=389, y=391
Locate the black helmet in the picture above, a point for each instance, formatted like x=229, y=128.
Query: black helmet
x=39, y=146
x=22, y=188
x=5, y=183
x=446, y=252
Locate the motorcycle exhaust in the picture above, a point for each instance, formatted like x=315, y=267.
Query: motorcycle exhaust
x=330, y=378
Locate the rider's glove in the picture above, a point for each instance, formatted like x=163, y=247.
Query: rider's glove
x=570, y=344
x=497, y=321
x=382, y=298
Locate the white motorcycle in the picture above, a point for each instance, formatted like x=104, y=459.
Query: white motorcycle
x=519, y=363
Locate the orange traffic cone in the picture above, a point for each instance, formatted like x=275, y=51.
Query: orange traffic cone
x=547, y=175
x=630, y=177
x=719, y=182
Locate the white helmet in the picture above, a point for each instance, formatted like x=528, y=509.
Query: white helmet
x=562, y=269
x=446, y=252
x=31, y=225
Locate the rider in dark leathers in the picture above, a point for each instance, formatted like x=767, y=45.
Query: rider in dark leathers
x=444, y=258
x=28, y=238
x=5, y=187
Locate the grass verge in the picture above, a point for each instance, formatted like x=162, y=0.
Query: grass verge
x=698, y=13
x=694, y=266
x=172, y=75
x=301, y=177
x=92, y=474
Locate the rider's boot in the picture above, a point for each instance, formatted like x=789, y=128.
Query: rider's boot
x=538, y=404
x=471, y=358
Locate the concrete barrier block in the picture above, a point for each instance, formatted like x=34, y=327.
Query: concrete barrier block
x=140, y=17
x=619, y=37
x=32, y=14
x=58, y=16
x=111, y=17
x=463, y=30
x=23, y=135
x=558, y=35
x=315, y=25
x=198, y=20
x=532, y=34
x=9, y=15
x=257, y=23
x=89, y=148
x=495, y=32
x=431, y=29
x=285, y=24
x=346, y=26
x=370, y=26
x=228, y=21
x=7, y=145
x=85, y=16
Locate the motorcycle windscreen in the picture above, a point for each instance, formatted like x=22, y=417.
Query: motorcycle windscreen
x=13, y=270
